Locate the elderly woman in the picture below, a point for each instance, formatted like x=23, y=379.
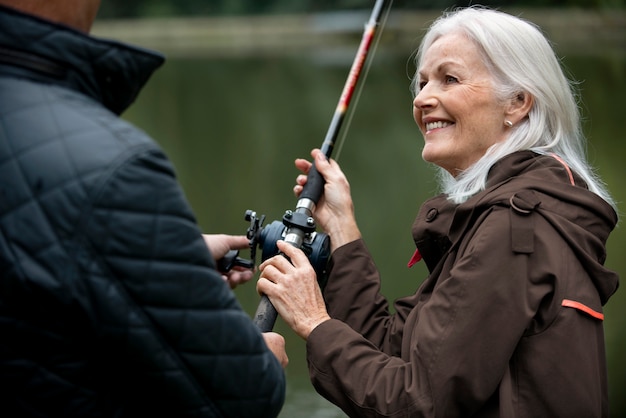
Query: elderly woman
x=509, y=321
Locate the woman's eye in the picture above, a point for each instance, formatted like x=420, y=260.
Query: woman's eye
x=451, y=79
x=421, y=85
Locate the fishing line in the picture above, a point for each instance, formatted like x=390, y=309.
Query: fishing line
x=351, y=111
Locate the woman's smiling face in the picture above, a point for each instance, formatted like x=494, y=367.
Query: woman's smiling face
x=456, y=107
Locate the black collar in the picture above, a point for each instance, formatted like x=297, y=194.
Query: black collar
x=109, y=72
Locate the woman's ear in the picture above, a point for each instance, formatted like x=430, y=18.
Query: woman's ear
x=519, y=107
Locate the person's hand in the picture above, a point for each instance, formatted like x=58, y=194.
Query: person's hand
x=293, y=289
x=335, y=211
x=276, y=343
x=220, y=245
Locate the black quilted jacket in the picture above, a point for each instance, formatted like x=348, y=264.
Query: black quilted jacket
x=110, y=304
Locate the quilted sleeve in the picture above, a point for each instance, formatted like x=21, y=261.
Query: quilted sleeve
x=165, y=316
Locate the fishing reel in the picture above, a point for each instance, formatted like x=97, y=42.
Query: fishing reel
x=315, y=245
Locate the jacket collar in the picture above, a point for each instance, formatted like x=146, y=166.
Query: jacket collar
x=107, y=71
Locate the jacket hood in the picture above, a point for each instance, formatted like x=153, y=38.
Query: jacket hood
x=110, y=72
x=582, y=218
x=541, y=183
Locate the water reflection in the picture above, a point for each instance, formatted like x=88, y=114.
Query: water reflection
x=234, y=126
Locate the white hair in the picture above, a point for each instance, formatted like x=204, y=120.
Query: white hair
x=521, y=60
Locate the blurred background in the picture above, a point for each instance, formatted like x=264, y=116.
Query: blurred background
x=250, y=85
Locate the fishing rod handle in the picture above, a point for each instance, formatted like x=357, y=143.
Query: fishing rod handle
x=266, y=315
x=314, y=186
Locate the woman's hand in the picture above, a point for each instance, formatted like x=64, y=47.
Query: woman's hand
x=220, y=245
x=335, y=210
x=293, y=289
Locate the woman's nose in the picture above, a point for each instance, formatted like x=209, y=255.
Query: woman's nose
x=424, y=99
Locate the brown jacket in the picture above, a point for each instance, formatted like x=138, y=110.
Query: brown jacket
x=507, y=324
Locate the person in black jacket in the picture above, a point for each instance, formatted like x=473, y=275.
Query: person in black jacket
x=110, y=300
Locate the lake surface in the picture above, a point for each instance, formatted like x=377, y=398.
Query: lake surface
x=233, y=126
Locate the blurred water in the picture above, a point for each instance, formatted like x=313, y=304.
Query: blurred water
x=234, y=126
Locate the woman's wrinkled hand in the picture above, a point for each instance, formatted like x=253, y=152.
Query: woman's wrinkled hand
x=335, y=210
x=292, y=288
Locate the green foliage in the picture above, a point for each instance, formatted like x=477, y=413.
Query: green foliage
x=150, y=8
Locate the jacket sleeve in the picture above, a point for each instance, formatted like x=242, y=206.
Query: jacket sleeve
x=162, y=310
x=462, y=336
x=371, y=315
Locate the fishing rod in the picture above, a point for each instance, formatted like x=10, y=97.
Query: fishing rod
x=298, y=226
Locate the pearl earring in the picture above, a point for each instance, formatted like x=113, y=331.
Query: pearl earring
x=508, y=123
